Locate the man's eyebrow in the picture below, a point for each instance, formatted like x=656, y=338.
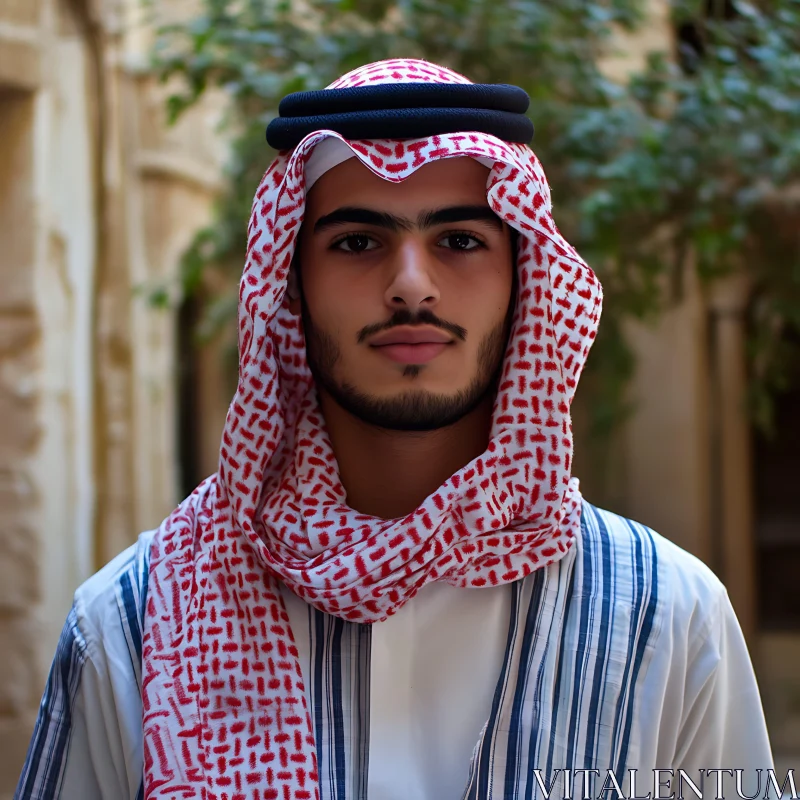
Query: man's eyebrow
x=446, y=216
x=392, y=222
x=361, y=216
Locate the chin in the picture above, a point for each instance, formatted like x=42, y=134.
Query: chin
x=411, y=378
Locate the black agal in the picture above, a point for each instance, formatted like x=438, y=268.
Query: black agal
x=403, y=111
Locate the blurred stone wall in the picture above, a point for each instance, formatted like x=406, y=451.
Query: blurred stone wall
x=98, y=199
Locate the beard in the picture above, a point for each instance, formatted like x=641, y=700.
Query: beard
x=413, y=409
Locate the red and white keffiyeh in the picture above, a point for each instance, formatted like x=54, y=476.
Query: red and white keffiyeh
x=225, y=712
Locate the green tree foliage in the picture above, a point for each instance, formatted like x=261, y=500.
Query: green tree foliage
x=694, y=156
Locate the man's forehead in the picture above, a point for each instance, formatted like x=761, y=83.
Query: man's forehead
x=446, y=182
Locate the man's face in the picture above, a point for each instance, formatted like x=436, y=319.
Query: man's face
x=405, y=292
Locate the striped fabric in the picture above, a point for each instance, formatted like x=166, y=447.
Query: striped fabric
x=576, y=644
x=339, y=693
x=576, y=648
x=44, y=764
x=131, y=592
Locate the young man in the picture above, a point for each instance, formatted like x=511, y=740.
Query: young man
x=392, y=588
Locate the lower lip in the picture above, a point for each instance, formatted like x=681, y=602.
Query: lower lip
x=412, y=353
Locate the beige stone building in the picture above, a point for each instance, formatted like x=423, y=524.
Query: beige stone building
x=98, y=199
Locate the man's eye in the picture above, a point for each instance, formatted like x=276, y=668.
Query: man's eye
x=355, y=243
x=461, y=241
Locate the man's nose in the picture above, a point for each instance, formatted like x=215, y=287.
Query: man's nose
x=412, y=284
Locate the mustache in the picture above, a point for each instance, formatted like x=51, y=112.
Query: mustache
x=406, y=317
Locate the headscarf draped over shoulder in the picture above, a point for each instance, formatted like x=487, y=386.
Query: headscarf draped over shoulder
x=225, y=711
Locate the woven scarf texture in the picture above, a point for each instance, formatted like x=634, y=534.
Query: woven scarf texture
x=225, y=711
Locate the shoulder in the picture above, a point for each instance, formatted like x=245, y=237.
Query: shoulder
x=91, y=708
x=687, y=591
x=109, y=607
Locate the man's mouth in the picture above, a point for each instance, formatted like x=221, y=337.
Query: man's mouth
x=412, y=353
x=411, y=345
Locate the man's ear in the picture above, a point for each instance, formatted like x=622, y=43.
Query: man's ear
x=293, y=291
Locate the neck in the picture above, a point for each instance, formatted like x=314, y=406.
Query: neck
x=388, y=474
